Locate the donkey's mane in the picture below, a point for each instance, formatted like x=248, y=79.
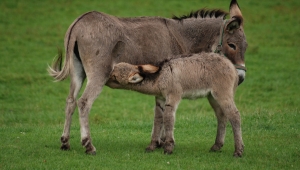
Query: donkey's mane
x=203, y=13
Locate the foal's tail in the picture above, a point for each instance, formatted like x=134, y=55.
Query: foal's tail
x=56, y=71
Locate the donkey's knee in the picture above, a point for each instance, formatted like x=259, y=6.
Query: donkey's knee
x=70, y=105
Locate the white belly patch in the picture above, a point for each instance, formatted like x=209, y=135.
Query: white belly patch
x=194, y=94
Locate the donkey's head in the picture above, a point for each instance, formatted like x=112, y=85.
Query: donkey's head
x=232, y=41
x=125, y=73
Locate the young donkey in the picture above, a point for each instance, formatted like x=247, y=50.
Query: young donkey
x=199, y=75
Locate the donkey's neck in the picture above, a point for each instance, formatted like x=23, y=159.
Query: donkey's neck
x=196, y=34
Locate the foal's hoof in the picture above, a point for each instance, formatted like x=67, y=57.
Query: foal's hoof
x=149, y=149
x=168, y=152
x=238, y=154
x=168, y=148
x=154, y=145
x=215, y=148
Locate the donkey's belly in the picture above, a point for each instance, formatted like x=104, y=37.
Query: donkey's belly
x=194, y=94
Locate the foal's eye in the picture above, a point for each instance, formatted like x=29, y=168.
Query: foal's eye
x=232, y=46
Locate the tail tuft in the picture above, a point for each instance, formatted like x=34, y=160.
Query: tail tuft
x=56, y=71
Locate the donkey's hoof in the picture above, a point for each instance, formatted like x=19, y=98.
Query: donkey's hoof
x=91, y=153
x=91, y=150
x=65, y=146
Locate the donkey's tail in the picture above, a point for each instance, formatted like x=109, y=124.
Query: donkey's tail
x=56, y=71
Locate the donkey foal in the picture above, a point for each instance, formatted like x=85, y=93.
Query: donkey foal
x=199, y=75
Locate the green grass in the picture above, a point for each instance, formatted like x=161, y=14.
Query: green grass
x=32, y=106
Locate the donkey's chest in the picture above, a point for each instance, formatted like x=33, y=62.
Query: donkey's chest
x=194, y=94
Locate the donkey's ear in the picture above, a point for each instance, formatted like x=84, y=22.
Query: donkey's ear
x=234, y=9
x=233, y=24
x=148, y=68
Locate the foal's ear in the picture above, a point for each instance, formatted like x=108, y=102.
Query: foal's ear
x=148, y=68
x=234, y=23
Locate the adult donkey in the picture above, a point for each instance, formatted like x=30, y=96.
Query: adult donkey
x=96, y=41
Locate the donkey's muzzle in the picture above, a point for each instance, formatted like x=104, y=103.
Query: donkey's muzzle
x=242, y=75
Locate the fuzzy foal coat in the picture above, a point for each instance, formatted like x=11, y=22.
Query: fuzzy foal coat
x=200, y=75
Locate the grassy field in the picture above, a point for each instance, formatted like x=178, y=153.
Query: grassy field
x=32, y=106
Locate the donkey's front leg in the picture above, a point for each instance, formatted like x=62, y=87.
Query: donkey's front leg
x=169, y=121
x=158, y=136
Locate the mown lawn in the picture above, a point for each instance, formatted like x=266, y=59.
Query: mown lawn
x=32, y=105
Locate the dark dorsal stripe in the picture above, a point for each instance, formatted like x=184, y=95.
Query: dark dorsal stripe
x=203, y=13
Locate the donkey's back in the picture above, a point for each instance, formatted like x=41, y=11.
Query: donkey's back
x=122, y=39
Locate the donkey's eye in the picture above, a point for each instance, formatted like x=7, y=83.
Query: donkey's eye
x=232, y=46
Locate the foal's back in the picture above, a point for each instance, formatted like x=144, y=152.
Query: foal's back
x=204, y=71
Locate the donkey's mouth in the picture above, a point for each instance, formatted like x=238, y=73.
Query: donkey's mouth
x=242, y=75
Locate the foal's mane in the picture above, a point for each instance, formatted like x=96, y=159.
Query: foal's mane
x=203, y=13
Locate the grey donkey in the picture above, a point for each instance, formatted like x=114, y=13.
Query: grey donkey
x=199, y=75
x=96, y=41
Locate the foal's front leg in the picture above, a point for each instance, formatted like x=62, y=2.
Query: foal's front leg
x=169, y=121
x=222, y=120
x=158, y=136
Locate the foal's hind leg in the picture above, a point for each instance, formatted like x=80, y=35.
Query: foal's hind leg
x=231, y=112
x=77, y=77
x=222, y=120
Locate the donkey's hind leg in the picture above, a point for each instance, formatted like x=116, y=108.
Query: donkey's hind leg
x=85, y=102
x=222, y=120
x=77, y=78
